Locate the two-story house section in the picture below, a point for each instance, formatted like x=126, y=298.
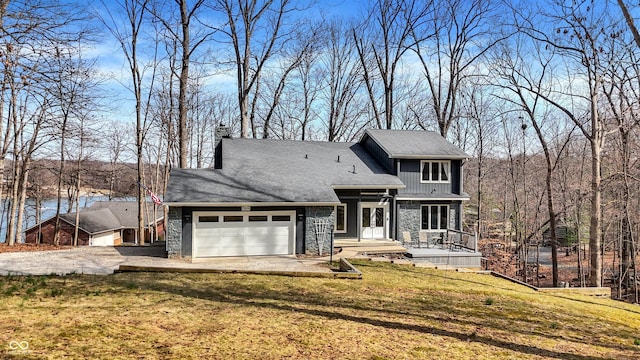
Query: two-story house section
x=285, y=197
x=431, y=168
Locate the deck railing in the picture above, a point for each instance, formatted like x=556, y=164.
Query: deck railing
x=449, y=239
x=462, y=240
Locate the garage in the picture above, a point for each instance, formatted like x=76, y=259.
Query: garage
x=243, y=233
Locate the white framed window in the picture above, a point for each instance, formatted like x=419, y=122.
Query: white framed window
x=340, y=220
x=435, y=171
x=434, y=217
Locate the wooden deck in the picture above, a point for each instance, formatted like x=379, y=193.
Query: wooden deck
x=454, y=257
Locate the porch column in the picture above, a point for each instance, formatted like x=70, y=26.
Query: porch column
x=359, y=217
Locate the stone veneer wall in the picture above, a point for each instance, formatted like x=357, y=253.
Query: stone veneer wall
x=314, y=213
x=174, y=233
x=409, y=218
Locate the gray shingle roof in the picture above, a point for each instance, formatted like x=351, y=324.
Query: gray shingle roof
x=415, y=144
x=275, y=171
x=94, y=221
x=126, y=212
x=104, y=216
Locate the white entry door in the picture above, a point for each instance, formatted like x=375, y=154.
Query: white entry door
x=373, y=221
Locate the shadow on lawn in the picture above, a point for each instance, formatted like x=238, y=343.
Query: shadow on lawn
x=265, y=297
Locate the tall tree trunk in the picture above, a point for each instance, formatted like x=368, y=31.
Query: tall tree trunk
x=11, y=227
x=595, y=230
x=184, y=80
x=23, y=196
x=63, y=132
x=552, y=223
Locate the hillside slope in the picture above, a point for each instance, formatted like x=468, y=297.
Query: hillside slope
x=395, y=312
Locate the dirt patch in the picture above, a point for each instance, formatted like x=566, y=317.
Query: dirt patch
x=5, y=248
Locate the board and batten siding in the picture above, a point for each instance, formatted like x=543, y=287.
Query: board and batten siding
x=379, y=154
x=411, y=176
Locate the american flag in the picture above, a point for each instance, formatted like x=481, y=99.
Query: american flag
x=156, y=200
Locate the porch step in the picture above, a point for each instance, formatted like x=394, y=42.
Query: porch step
x=365, y=243
x=371, y=250
x=354, y=248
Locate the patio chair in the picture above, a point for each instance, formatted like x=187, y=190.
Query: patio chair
x=407, y=240
x=424, y=238
x=465, y=241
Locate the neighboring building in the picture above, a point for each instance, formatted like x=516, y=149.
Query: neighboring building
x=102, y=224
x=127, y=214
x=275, y=197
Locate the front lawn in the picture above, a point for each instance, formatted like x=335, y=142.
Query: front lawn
x=395, y=312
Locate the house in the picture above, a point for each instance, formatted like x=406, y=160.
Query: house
x=127, y=214
x=108, y=223
x=276, y=197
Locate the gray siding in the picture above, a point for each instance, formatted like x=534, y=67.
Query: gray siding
x=411, y=176
x=352, y=220
x=379, y=154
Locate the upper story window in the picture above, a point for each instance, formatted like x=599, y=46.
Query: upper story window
x=435, y=171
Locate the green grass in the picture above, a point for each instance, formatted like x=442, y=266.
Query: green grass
x=395, y=312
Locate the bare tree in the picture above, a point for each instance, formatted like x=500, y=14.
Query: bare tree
x=127, y=35
x=309, y=88
x=621, y=92
x=115, y=143
x=480, y=111
x=257, y=30
x=341, y=76
x=26, y=142
x=188, y=42
x=32, y=33
x=84, y=142
x=449, y=46
x=381, y=42
x=298, y=51
x=581, y=31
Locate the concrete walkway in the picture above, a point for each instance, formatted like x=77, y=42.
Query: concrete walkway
x=106, y=260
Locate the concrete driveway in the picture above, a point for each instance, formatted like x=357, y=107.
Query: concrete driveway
x=80, y=260
x=105, y=260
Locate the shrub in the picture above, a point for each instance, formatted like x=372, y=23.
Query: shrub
x=488, y=301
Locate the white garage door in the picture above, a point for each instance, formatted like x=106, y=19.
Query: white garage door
x=243, y=233
x=104, y=239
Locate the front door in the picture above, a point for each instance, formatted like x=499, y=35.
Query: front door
x=373, y=222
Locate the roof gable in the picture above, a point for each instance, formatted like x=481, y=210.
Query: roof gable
x=411, y=144
x=126, y=212
x=93, y=221
x=104, y=216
